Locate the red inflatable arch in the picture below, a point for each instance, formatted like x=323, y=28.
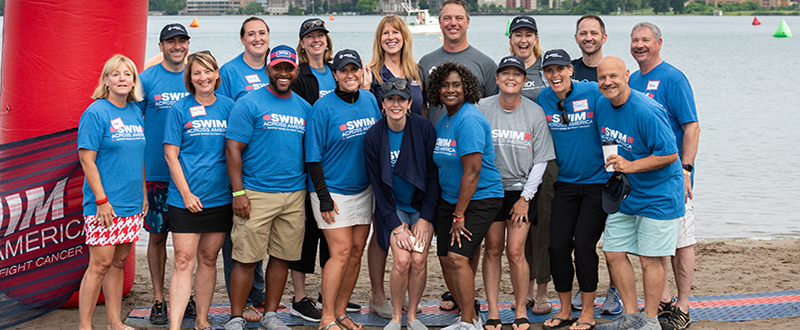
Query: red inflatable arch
x=53, y=53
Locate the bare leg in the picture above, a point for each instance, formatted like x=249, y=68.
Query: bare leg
x=112, y=287
x=206, y=276
x=376, y=263
x=495, y=242
x=587, y=314
x=622, y=271
x=653, y=275
x=398, y=283
x=241, y=282
x=683, y=265
x=100, y=259
x=340, y=243
x=461, y=283
x=359, y=239
x=275, y=280
x=299, y=285
x=565, y=312
x=156, y=259
x=180, y=287
x=418, y=273
x=518, y=265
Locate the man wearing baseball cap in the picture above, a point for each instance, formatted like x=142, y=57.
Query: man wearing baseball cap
x=163, y=85
x=266, y=168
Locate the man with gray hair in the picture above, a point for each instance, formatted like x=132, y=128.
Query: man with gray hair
x=669, y=86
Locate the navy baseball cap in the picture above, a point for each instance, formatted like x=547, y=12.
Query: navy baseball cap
x=521, y=22
x=344, y=57
x=396, y=86
x=616, y=189
x=282, y=53
x=173, y=29
x=312, y=24
x=512, y=60
x=557, y=57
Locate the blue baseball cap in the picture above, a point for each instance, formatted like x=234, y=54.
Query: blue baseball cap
x=282, y=53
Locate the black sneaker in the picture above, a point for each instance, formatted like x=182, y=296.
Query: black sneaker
x=191, y=308
x=158, y=313
x=677, y=321
x=306, y=310
x=351, y=306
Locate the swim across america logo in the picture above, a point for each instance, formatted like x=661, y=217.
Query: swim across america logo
x=166, y=99
x=356, y=127
x=625, y=141
x=516, y=139
x=206, y=127
x=284, y=123
x=445, y=147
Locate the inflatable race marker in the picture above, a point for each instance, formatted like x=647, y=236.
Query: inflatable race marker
x=755, y=21
x=53, y=55
x=783, y=31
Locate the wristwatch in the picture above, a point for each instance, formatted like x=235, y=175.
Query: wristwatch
x=527, y=199
x=688, y=167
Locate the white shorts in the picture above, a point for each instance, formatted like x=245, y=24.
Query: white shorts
x=686, y=227
x=353, y=209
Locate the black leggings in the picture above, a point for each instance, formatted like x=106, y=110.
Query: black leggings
x=576, y=223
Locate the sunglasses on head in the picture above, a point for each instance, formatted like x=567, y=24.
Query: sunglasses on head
x=314, y=23
x=400, y=85
x=564, y=116
x=206, y=52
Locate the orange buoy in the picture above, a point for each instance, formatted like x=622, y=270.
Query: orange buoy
x=195, y=23
x=755, y=21
x=330, y=18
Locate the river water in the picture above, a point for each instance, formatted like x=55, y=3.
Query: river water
x=745, y=83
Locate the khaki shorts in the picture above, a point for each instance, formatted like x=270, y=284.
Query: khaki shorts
x=354, y=210
x=686, y=227
x=276, y=227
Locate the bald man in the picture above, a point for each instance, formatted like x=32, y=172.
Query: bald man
x=646, y=223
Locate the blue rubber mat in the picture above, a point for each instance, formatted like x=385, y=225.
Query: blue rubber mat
x=733, y=307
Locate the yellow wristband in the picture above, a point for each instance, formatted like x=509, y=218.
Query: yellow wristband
x=238, y=193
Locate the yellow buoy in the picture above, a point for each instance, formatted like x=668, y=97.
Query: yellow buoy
x=195, y=23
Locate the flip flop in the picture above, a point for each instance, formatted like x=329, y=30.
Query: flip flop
x=252, y=309
x=562, y=323
x=520, y=321
x=540, y=303
x=340, y=320
x=494, y=323
x=591, y=326
x=448, y=297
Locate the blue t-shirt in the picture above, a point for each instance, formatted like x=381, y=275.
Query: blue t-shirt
x=579, y=153
x=199, y=131
x=458, y=135
x=403, y=190
x=336, y=139
x=640, y=129
x=162, y=88
x=273, y=128
x=670, y=88
x=239, y=78
x=325, y=80
x=117, y=134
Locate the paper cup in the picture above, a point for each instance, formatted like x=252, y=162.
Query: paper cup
x=609, y=148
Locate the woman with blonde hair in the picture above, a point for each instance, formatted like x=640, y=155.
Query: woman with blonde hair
x=111, y=150
x=199, y=199
x=392, y=57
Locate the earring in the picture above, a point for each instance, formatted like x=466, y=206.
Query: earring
x=106, y=87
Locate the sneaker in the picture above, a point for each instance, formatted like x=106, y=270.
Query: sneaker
x=665, y=310
x=351, y=306
x=577, y=302
x=306, y=310
x=417, y=325
x=455, y=325
x=271, y=321
x=613, y=303
x=236, y=323
x=393, y=325
x=158, y=313
x=191, y=308
x=383, y=310
x=625, y=321
x=677, y=321
x=646, y=323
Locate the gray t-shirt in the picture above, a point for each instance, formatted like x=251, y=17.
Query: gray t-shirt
x=476, y=61
x=521, y=139
x=535, y=81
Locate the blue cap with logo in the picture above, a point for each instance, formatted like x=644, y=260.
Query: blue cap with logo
x=557, y=57
x=282, y=53
x=511, y=60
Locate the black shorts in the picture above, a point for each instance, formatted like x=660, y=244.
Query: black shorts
x=509, y=199
x=210, y=220
x=478, y=218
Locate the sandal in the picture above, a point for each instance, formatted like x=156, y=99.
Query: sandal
x=591, y=326
x=448, y=297
x=340, y=319
x=327, y=326
x=494, y=323
x=521, y=321
x=254, y=310
x=561, y=323
x=540, y=303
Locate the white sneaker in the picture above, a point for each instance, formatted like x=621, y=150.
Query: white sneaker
x=271, y=321
x=577, y=301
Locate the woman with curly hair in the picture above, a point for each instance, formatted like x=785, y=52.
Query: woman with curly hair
x=472, y=192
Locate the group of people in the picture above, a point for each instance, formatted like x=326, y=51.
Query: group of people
x=283, y=150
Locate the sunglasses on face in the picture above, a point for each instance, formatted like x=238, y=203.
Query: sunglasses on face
x=564, y=116
x=314, y=23
x=400, y=85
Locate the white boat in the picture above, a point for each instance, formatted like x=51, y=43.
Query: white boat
x=420, y=20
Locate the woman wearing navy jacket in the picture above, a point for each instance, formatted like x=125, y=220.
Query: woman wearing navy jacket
x=400, y=167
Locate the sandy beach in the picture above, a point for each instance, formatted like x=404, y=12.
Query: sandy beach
x=723, y=267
